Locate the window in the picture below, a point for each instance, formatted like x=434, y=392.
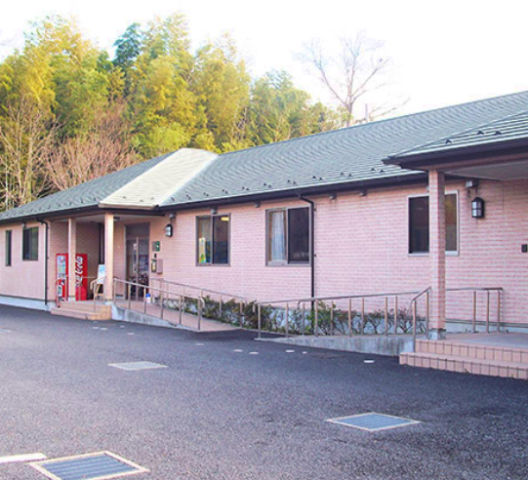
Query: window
x=8, y=248
x=419, y=224
x=288, y=236
x=30, y=243
x=212, y=238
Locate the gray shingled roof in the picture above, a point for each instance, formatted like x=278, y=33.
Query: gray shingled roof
x=341, y=158
x=86, y=195
x=353, y=154
x=506, y=129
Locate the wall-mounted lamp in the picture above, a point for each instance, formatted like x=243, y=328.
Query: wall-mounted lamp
x=477, y=208
x=363, y=193
x=172, y=216
x=472, y=183
x=169, y=230
x=257, y=204
x=214, y=210
x=332, y=196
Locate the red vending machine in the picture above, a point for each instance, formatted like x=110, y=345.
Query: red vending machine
x=81, y=272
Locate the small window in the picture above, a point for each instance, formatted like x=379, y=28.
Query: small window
x=419, y=224
x=212, y=234
x=8, y=236
x=30, y=243
x=288, y=236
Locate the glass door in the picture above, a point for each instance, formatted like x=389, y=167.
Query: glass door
x=137, y=255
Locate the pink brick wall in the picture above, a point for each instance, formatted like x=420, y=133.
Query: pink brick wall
x=361, y=247
x=24, y=278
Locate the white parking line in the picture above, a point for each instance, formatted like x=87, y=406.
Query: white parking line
x=199, y=344
x=238, y=350
x=27, y=457
x=290, y=351
x=130, y=333
x=368, y=361
x=253, y=353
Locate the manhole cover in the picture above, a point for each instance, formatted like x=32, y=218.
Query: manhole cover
x=92, y=466
x=373, y=422
x=132, y=366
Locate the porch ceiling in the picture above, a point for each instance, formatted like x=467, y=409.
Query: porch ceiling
x=123, y=218
x=516, y=170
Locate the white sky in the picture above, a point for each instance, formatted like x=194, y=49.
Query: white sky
x=443, y=52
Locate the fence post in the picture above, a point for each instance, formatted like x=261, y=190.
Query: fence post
x=350, y=317
x=241, y=313
x=303, y=319
x=498, y=310
x=395, y=314
x=129, y=288
x=259, y=321
x=474, y=320
x=386, y=315
x=200, y=313
x=414, y=326
x=180, y=308
x=287, y=313
x=145, y=300
x=331, y=317
x=161, y=301
x=487, y=310
x=427, y=311
x=362, y=329
x=316, y=320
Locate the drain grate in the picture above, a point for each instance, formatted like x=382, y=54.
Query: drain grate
x=92, y=466
x=133, y=366
x=373, y=422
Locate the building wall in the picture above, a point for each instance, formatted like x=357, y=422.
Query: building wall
x=361, y=247
x=24, y=278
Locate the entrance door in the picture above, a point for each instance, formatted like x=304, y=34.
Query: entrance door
x=137, y=253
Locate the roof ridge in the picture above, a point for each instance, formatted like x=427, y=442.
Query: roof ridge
x=456, y=133
x=377, y=122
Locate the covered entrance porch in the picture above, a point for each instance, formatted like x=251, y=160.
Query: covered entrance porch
x=88, y=252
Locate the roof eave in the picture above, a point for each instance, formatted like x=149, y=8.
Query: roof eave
x=418, y=177
x=438, y=157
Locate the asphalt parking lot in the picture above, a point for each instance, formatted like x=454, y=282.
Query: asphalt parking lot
x=229, y=407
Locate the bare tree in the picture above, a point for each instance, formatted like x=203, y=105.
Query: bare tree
x=104, y=149
x=26, y=142
x=351, y=76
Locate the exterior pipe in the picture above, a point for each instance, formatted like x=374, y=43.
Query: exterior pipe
x=312, y=244
x=46, y=261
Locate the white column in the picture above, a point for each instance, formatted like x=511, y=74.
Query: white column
x=109, y=255
x=72, y=255
x=437, y=247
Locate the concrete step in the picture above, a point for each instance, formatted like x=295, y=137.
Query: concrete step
x=85, y=315
x=473, y=351
x=86, y=306
x=463, y=364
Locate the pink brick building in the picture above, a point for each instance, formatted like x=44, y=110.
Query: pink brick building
x=389, y=206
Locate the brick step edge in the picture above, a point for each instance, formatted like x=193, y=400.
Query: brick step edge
x=84, y=308
x=466, y=365
x=64, y=312
x=474, y=351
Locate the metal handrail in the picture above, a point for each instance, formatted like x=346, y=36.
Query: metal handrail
x=315, y=300
x=413, y=304
x=488, y=290
x=207, y=290
x=181, y=297
x=66, y=278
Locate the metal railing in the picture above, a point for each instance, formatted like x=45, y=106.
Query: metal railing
x=414, y=302
x=172, y=295
x=318, y=308
x=64, y=282
x=488, y=291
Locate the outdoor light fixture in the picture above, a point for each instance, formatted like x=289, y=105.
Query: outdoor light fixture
x=477, y=207
x=168, y=230
x=332, y=196
x=214, y=210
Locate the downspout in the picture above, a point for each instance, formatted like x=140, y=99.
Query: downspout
x=46, y=261
x=312, y=244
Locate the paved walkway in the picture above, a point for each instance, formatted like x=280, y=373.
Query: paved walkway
x=512, y=340
x=187, y=320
